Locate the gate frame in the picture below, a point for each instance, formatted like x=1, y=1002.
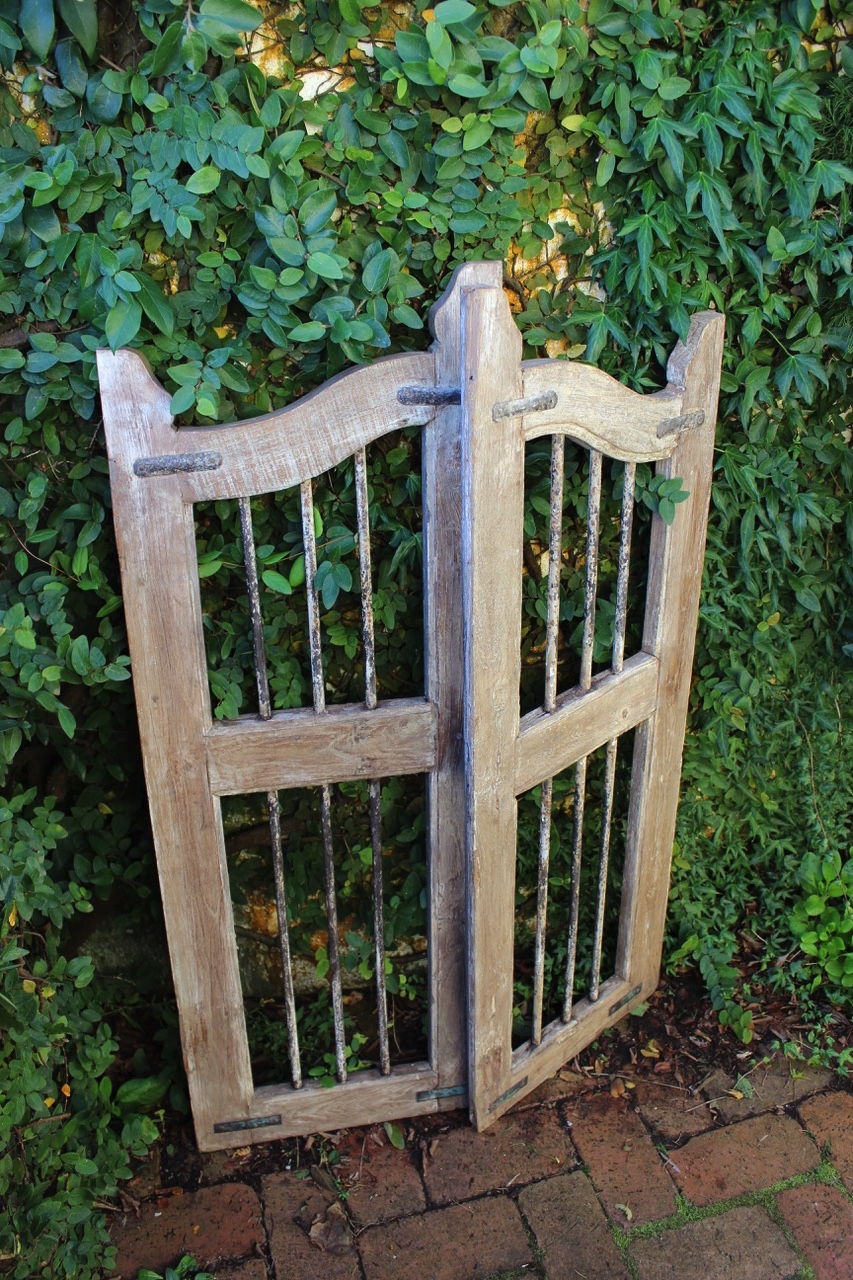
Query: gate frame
x=464, y=734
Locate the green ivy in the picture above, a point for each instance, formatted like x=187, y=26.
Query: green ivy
x=631, y=162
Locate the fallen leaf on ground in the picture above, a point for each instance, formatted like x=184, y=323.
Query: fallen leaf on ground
x=331, y=1232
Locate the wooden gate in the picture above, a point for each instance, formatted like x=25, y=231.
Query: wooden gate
x=478, y=404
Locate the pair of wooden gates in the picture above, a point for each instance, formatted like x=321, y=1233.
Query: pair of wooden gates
x=478, y=404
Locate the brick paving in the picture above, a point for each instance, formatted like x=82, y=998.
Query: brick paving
x=655, y=1184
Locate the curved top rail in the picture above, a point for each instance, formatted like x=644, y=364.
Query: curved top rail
x=258, y=455
x=594, y=409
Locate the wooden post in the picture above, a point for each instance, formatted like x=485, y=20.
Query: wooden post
x=672, y=604
x=157, y=552
x=492, y=528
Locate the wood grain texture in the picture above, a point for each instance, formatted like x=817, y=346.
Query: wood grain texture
x=549, y=742
x=442, y=533
x=493, y=514
x=157, y=553
x=280, y=450
x=672, y=605
x=304, y=749
x=599, y=412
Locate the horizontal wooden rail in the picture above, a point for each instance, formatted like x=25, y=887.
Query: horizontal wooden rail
x=583, y=721
x=304, y=748
x=593, y=408
x=277, y=451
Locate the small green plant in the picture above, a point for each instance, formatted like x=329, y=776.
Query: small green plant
x=822, y=921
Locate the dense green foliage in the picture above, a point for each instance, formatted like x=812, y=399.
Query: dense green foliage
x=631, y=163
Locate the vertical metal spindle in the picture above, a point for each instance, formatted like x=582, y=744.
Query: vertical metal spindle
x=594, y=508
x=265, y=712
x=617, y=662
x=555, y=552
x=375, y=789
x=319, y=691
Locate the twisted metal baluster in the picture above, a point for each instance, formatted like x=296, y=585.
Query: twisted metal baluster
x=265, y=712
x=310, y=543
x=555, y=552
x=375, y=788
x=592, y=530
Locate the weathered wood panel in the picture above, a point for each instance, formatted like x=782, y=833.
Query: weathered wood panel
x=597, y=411
x=493, y=516
x=549, y=742
x=672, y=605
x=279, y=450
x=303, y=749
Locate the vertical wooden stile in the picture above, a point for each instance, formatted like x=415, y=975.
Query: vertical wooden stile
x=676, y=558
x=493, y=514
x=442, y=521
x=157, y=552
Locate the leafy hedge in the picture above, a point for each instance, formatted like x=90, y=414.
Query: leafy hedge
x=631, y=163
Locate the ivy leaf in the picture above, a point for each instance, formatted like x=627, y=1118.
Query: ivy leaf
x=673, y=87
x=154, y=304
x=311, y=331
x=233, y=14
x=81, y=19
x=38, y=25
x=204, y=180
x=395, y=1137
x=123, y=323
x=167, y=54
x=466, y=86
x=316, y=211
x=325, y=265
x=451, y=12
x=377, y=272
x=277, y=582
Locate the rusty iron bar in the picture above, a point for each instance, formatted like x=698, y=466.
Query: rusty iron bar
x=310, y=544
x=592, y=533
x=375, y=788
x=617, y=662
x=273, y=807
x=555, y=554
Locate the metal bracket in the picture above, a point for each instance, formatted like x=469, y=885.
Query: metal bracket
x=256, y=1122
x=527, y=404
x=172, y=464
x=451, y=1091
x=516, y=1088
x=687, y=420
x=429, y=395
x=632, y=995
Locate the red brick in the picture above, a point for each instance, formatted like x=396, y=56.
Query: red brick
x=382, y=1183
x=830, y=1119
x=464, y=1242
x=291, y=1206
x=821, y=1219
x=773, y=1085
x=744, y=1157
x=623, y=1163
x=743, y=1244
x=516, y=1150
x=565, y=1084
x=211, y=1224
x=671, y=1114
x=570, y=1227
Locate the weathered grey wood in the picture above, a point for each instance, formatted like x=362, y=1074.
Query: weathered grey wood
x=157, y=552
x=280, y=450
x=599, y=412
x=473, y=499
x=549, y=742
x=672, y=605
x=492, y=505
x=442, y=540
x=303, y=749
